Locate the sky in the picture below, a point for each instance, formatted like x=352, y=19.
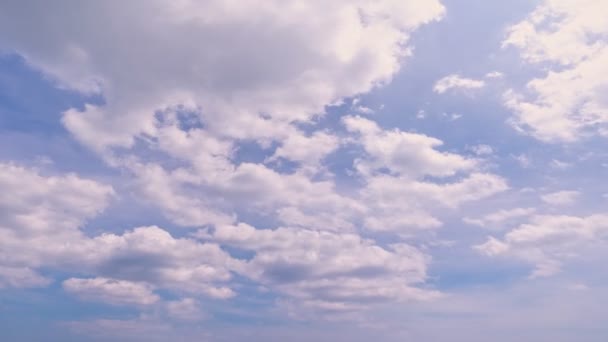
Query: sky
x=222, y=170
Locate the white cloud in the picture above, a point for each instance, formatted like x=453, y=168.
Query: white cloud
x=40, y=217
x=492, y=247
x=482, y=150
x=111, y=291
x=300, y=199
x=397, y=204
x=263, y=57
x=20, y=277
x=327, y=271
x=186, y=84
x=457, y=82
x=40, y=228
x=395, y=168
x=565, y=197
x=548, y=241
x=494, y=74
x=571, y=34
x=36, y=203
x=175, y=113
x=307, y=150
x=152, y=255
x=405, y=154
x=500, y=217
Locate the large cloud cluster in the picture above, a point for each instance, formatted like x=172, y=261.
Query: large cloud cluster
x=179, y=89
x=568, y=38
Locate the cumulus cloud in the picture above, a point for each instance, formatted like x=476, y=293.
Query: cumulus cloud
x=196, y=102
x=185, y=85
x=40, y=228
x=327, y=271
x=39, y=219
x=261, y=64
x=570, y=35
x=396, y=166
x=177, y=100
x=548, y=241
x=307, y=150
x=457, y=82
x=404, y=154
x=398, y=204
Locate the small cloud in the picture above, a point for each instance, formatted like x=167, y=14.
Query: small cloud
x=523, y=160
x=561, y=197
x=44, y=160
x=492, y=247
x=494, y=74
x=578, y=287
x=482, y=150
x=557, y=164
x=457, y=82
x=357, y=107
x=451, y=116
x=455, y=116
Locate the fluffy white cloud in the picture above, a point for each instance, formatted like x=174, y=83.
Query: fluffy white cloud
x=457, y=82
x=111, y=291
x=206, y=186
x=548, y=241
x=185, y=86
x=404, y=154
x=307, y=150
x=255, y=71
x=40, y=227
x=327, y=271
x=397, y=204
x=152, y=255
x=396, y=168
x=571, y=35
x=40, y=219
x=250, y=67
x=33, y=203
x=195, y=102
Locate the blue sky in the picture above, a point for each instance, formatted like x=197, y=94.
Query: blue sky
x=270, y=170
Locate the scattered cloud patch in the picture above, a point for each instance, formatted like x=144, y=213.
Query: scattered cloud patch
x=549, y=241
x=570, y=36
x=457, y=82
x=560, y=198
x=500, y=217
